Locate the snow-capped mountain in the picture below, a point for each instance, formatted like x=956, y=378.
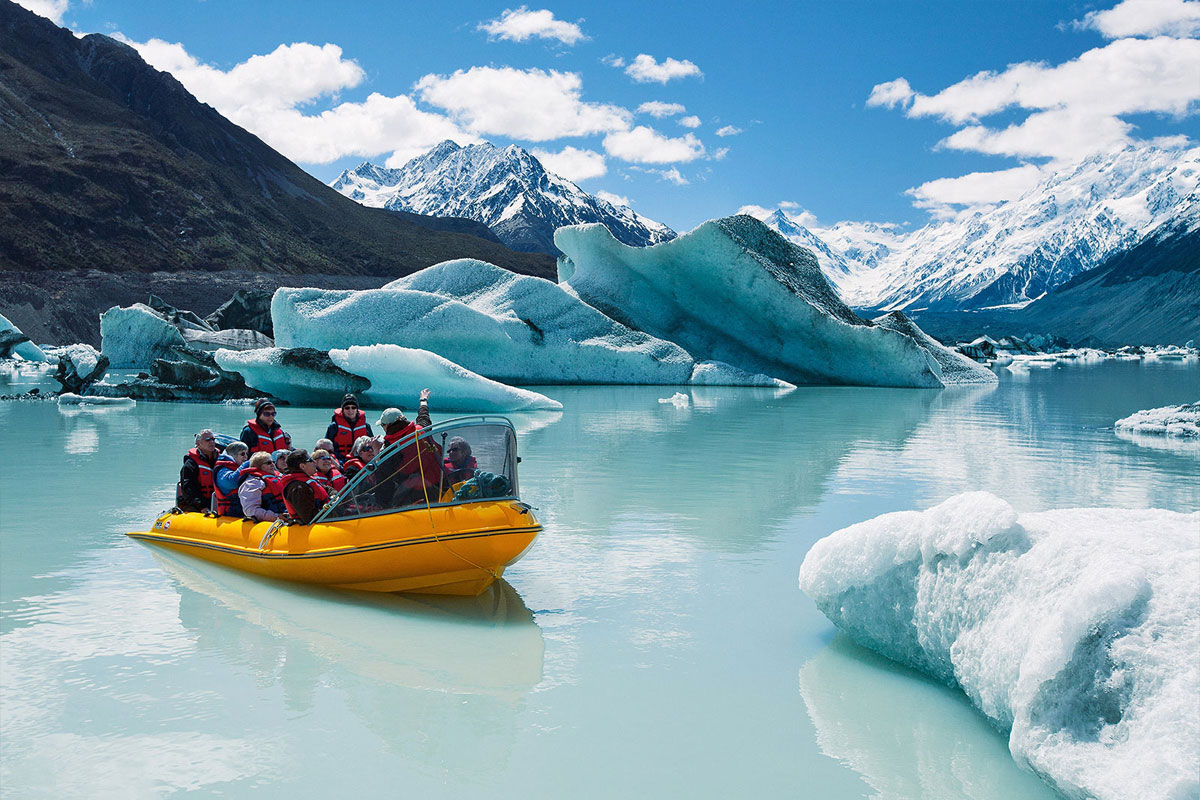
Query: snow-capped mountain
x=506, y=189
x=1014, y=253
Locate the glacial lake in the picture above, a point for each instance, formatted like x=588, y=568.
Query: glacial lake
x=653, y=643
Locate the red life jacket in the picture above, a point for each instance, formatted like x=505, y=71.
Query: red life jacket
x=319, y=494
x=268, y=441
x=347, y=431
x=430, y=465
x=205, y=471
x=334, y=479
x=226, y=504
x=271, y=493
x=467, y=470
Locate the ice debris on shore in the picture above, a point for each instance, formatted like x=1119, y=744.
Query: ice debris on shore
x=1076, y=631
x=1174, y=421
x=736, y=291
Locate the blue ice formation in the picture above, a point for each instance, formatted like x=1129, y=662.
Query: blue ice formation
x=734, y=290
x=135, y=336
x=382, y=375
x=1074, y=631
x=26, y=350
x=508, y=327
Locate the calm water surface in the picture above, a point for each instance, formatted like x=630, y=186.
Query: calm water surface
x=652, y=644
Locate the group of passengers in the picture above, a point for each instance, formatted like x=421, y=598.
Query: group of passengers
x=261, y=477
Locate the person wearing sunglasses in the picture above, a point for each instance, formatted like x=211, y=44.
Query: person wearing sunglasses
x=349, y=423
x=263, y=434
x=328, y=474
x=364, y=449
x=196, y=479
x=302, y=494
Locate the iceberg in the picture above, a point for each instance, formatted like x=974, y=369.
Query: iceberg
x=718, y=373
x=679, y=400
x=134, y=336
x=1074, y=631
x=71, y=399
x=508, y=327
x=383, y=374
x=956, y=367
x=15, y=343
x=734, y=290
x=1174, y=421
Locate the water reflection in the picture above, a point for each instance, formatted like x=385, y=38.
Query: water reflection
x=908, y=736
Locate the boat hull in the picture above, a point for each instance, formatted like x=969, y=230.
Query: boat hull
x=457, y=550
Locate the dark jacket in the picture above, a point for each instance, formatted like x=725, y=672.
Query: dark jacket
x=331, y=433
x=299, y=496
x=251, y=438
x=190, y=495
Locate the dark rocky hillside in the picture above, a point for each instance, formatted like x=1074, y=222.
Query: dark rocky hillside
x=109, y=165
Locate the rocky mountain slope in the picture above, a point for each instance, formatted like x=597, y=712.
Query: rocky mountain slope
x=107, y=164
x=507, y=189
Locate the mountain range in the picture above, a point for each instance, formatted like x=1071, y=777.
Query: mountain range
x=506, y=189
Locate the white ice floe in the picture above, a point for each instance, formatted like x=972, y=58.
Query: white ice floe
x=1174, y=421
x=70, y=399
x=735, y=291
x=135, y=336
x=25, y=350
x=508, y=327
x=679, y=400
x=1076, y=631
x=380, y=374
x=83, y=356
x=718, y=373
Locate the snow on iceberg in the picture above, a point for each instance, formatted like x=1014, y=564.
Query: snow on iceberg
x=718, y=373
x=736, y=291
x=1182, y=421
x=135, y=336
x=22, y=347
x=956, y=368
x=1075, y=631
x=508, y=327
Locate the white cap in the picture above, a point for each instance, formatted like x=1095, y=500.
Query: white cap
x=390, y=416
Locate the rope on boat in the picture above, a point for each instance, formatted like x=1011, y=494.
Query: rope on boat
x=433, y=525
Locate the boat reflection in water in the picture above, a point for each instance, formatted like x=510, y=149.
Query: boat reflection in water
x=929, y=742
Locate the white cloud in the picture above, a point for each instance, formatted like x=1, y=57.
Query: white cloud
x=521, y=24
x=659, y=109
x=690, y=122
x=643, y=145
x=720, y=153
x=573, y=163
x=262, y=94
x=673, y=175
x=52, y=10
x=533, y=104
x=891, y=94
x=609, y=197
x=645, y=69
x=1146, y=18
x=943, y=196
x=790, y=209
x=728, y=130
x=613, y=60
x=1063, y=134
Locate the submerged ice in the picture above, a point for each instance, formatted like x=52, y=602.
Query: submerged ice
x=736, y=291
x=1076, y=631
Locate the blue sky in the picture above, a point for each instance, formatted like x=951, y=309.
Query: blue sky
x=791, y=84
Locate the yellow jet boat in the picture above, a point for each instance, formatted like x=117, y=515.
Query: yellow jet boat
x=452, y=539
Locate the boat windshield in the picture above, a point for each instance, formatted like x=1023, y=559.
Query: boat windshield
x=461, y=460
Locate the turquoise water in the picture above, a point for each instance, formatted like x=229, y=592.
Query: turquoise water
x=652, y=644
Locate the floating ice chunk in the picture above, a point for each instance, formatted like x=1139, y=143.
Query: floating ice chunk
x=1170, y=427
x=718, y=373
x=136, y=336
x=736, y=291
x=301, y=375
x=679, y=400
x=508, y=327
x=70, y=399
x=956, y=368
x=16, y=343
x=1076, y=631
x=397, y=375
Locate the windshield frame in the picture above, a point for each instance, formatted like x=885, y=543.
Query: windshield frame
x=438, y=428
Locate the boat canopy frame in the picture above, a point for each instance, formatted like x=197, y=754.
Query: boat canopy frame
x=441, y=429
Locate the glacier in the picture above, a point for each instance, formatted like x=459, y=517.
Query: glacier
x=508, y=327
x=382, y=375
x=733, y=290
x=1074, y=631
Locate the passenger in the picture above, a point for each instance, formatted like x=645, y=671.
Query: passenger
x=195, y=488
x=361, y=453
x=225, y=479
x=327, y=446
x=303, y=495
x=460, y=464
x=257, y=489
x=405, y=478
x=279, y=460
x=348, y=425
x=263, y=434
x=328, y=475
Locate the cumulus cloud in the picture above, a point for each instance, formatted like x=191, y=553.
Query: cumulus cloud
x=645, y=69
x=690, y=122
x=1146, y=18
x=891, y=94
x=644, y=145
x=728, y=130
x=943, y=197
x=609, y=197
x=521, y=24
x=52, y=10
x=673, y=175
x=533, y=104
x=573, y=163
x=659, y=109
x=720, y=153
